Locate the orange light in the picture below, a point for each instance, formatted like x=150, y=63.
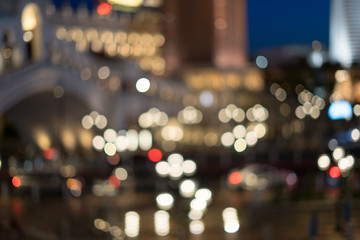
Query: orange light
x=155, y=155
x=334, y=172
x=235, y=178
x=114, y=181
x=104, y=9
x=16, y=181
x=73, y=184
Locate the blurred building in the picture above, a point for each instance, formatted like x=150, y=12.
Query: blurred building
x=156, y=68
x=154, y=96
x=344, y=32
x=211, y=32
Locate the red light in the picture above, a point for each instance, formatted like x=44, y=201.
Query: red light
x=49, y=153
x=235, y=178
x=104, y=8
x=334, y=172
x=113, y=160
x=114, y=181
x=16, y=181
x=155, y=155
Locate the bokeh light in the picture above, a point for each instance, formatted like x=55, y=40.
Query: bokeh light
x=16, y=181
x=338, y=153
x=165, y=201
x=104, y=8
x=323, y=162
x=162, y=223
x=110, y=135
x=334, y=172
x=132, y=224
x=110, y=149
x=121, y=173
x=187, y=188
x=189, y=167
x=143, y=85
x=203, y=194
x=155, y=155
x=261, y=62
x=162, y=168
x=196, y=227
x=206, y=98
x=114, y=159
x=235, y=178
x=114, y=181
x=231, y=221
x=227, y=139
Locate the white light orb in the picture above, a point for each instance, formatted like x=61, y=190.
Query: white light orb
x=206, y=98
x=323, y=162
x=187, y=188
x=143, y=85
x=162, y=168
x=98, y=142
x=165, y=201
x=189, y=167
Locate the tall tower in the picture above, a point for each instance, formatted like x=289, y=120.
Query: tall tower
x=206, y=32
x=345, y=32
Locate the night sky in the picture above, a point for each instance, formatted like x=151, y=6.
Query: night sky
x=278, y=22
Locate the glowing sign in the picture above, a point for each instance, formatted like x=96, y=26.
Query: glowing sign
x=126, y=3
x=340, y=110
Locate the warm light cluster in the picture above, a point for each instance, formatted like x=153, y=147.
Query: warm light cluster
x=162, y=223
x=205, y=79
x=112, y=141
x=198, y=207
x=257, y=113
x=172, y=131
x=338, y=164
x=179, y=129
x=175, y=167
x=153, y=118
x=278, y=92
x=115, y=231
x=144, y=46
x=231, y=220
x=230, y=112
x=310, y=105
x=131, y=140
x=343, y=89
x=132, y=224
x=103, y=188
x=190, y=115
x=260, y=177
x=67, y=171
x=241, y=137
x=94, y=119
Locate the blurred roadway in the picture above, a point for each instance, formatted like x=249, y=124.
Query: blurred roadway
x=72, y=218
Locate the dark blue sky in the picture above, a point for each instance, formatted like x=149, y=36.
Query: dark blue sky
x=278, y=22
